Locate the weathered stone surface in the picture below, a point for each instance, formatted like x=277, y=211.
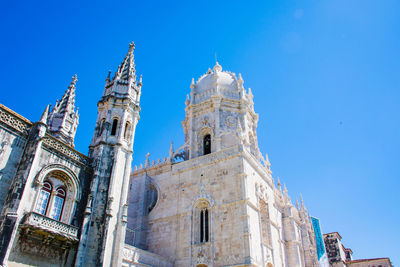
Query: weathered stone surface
x=249, y=221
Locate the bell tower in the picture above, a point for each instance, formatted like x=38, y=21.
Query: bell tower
x=111, y=149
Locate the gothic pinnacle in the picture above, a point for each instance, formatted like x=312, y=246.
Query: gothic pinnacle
x=131, y=47
x=187, y=101
x=43, y=118
x=140, y=80
x=279, y=185
x=108, y=76
x=171, y=150
x=240, y=79
x=192, y=85
x=147, y=162
x=73, y=83
x=267, y=160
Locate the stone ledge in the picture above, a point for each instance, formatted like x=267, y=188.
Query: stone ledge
x=38, y=221
x=133, y=254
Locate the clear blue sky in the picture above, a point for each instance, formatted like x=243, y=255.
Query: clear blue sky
x=325, y=77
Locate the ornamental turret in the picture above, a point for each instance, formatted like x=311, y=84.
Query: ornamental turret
x=111, y=151
x=219, y=114
x=63, y=119
x=124, y=82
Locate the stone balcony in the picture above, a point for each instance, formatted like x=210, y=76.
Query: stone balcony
x=36, y=221
x=133, y=256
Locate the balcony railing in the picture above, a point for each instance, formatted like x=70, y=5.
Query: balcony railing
x=37, y=220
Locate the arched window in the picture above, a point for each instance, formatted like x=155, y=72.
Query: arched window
x=43, y=201
x=51, y=201
x=101, y=127
x=114, y=127
x=207, y=144
x=201, y=226
x=204, y=231
x=152, y=197
x=127, y=130
x=58, y=204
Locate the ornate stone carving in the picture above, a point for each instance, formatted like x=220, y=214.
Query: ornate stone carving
x=230, y=121
x=230, y=260
x=52, y=142
x=201, y=254
x=137, y=256
x=39, y=221
x=13, y=121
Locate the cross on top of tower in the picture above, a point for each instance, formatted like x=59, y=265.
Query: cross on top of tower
x=131, y=47
x=74, y=80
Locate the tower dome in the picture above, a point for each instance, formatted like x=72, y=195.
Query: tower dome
x=216, y=82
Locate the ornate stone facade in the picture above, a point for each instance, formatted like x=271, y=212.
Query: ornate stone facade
x=217, y=203
x=58, y=206
x=211, y=202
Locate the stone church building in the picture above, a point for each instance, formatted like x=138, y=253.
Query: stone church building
x=212, y=202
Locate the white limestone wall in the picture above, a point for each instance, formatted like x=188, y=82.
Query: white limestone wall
x=216, y=178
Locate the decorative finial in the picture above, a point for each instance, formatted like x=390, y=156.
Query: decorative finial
x=171, y=150
x=43, y=118
x=131, y=47
x=285, y=194
x=240, y=79
x=74, y=79
x=187, y=102
x=140, y=80
x=209, y=71
x=192, y=85
x=250, y=93
x=267, y=160
x=217, y=67
x=108, y=76
x=279, y=184
x=146, y=164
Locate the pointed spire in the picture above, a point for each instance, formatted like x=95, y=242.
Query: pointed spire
x=126, y=69
x=279, y=185
x=67, y=102
x=43, y=118
x=140, y=80
x=125, y=80
x=267, y=161
x=286, y=195
x=108, y=76
x=285, y=189
x=147, y=162
x=192, y=85
x=297, y=204
x=187, y=101
x=171, y=150
x=63, y=119
x=250, y=93
x=302, y=206
x=240, y=79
